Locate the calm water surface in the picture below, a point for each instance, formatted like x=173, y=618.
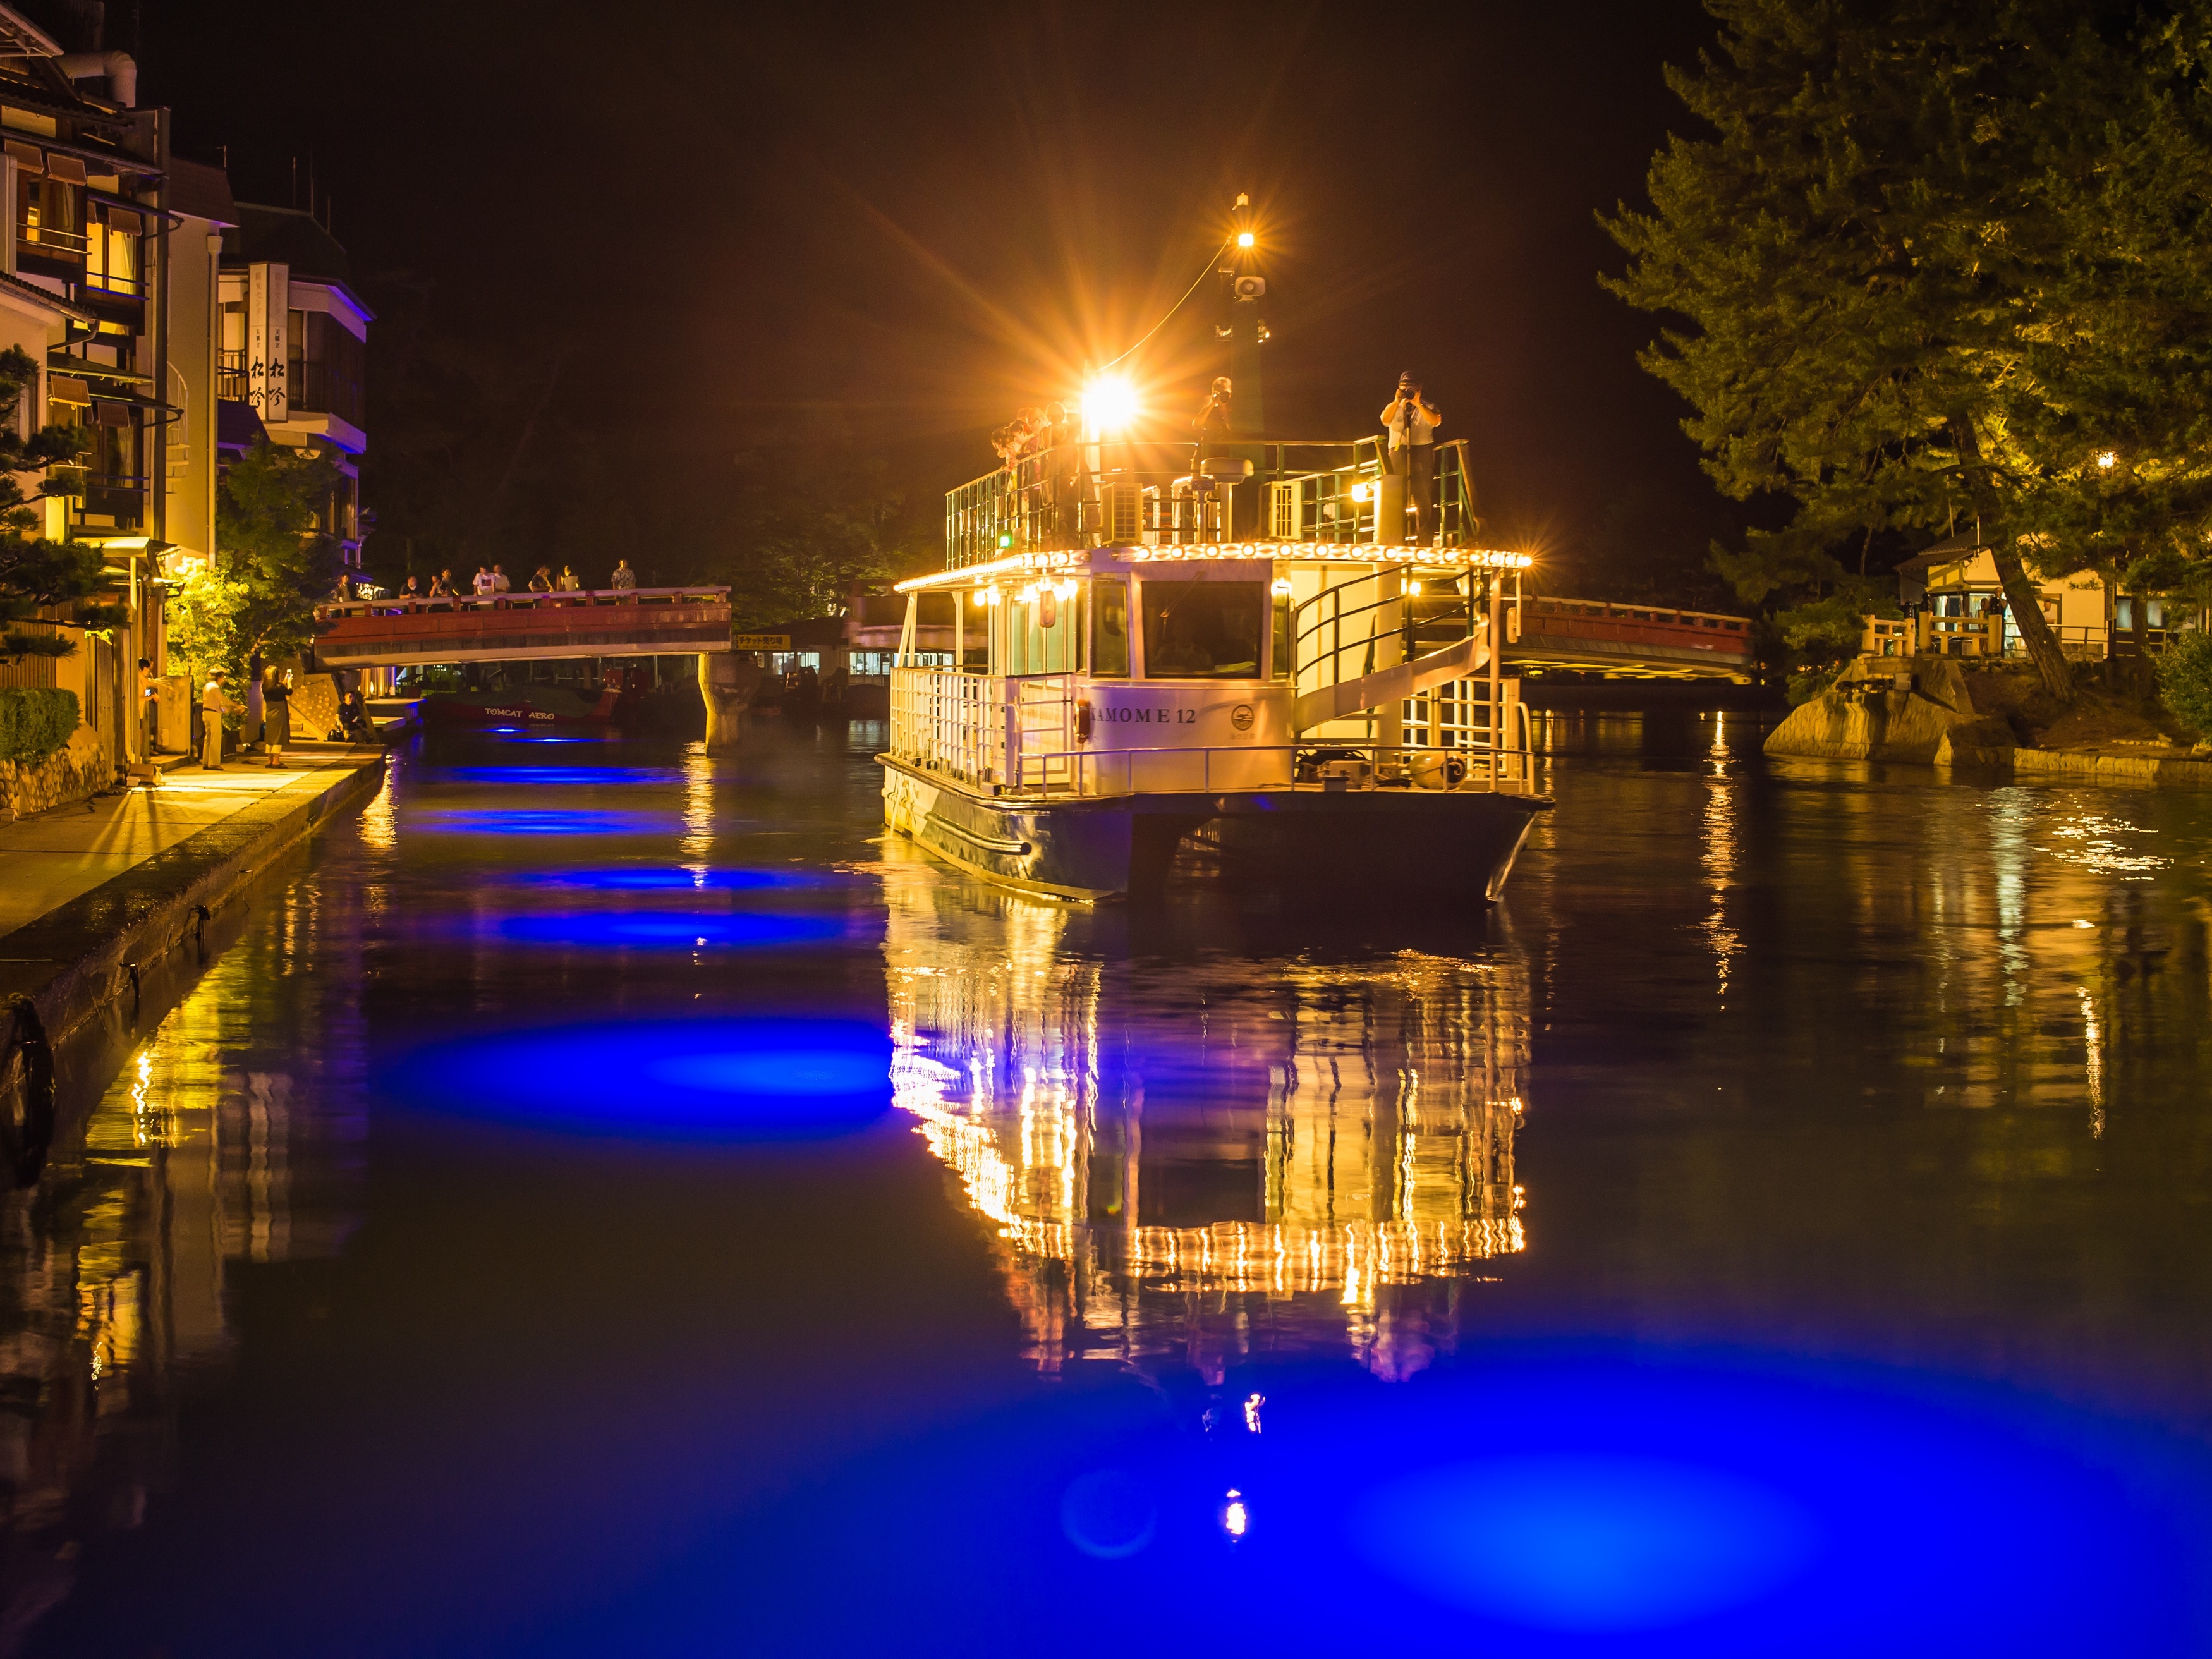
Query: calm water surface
x=609, y=1200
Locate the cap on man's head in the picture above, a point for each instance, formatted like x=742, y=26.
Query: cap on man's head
x=1409, y=378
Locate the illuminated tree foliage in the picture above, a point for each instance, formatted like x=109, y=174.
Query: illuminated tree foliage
x=36, y=574
x=274, y=559
x=1942, y=263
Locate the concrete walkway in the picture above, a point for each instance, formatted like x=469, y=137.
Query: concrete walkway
x=49, y=860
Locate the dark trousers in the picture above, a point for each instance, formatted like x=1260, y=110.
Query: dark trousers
x=1417, y=464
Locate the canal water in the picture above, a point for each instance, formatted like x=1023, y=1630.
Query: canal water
x=609, y=1200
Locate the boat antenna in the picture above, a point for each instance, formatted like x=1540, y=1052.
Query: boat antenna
x=1210, y=259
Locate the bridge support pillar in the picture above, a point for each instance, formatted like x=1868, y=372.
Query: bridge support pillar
x=726, y=687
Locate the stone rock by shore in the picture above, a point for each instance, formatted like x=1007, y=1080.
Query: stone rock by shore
x=1897, y=708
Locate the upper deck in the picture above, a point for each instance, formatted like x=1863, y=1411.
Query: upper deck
x=1132, y=492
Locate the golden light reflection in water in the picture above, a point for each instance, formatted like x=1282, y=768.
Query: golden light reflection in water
x=1717, y=852
x=698, y=841
x=114, y=1271
x=1175, y=1155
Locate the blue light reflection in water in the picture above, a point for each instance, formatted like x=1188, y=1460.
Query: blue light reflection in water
x=699, y=1080
x=660, y=878
x=675, y=929
x=544, y=821
x=596, y=777
x=1529, y=1502
x=1577, y=1542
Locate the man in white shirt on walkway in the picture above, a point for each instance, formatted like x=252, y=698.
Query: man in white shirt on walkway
x=1412, y=421
x=214, y=705
x=483, y=584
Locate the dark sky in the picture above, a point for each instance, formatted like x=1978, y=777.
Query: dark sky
x=928, y=214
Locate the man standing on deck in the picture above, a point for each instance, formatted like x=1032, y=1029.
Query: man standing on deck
x=214, y=705
x=1412, y=421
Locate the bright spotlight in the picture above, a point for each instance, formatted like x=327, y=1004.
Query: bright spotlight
x=1109, y=404
x=1243, y=239
x=2108, y=460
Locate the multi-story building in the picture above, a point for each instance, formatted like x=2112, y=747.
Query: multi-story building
x=295, y=344
x=83, y=291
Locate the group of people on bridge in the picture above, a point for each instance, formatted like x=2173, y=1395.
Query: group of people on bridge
x=491, y=582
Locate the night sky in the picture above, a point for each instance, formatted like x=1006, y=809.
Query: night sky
x=920, y=218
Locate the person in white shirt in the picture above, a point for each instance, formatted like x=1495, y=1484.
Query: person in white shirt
x=499, y=582
x=483, y=583
x=1411, y=421
x=214, y=703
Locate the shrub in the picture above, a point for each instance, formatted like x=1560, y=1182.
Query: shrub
x=2184, y=677
x=36, y=723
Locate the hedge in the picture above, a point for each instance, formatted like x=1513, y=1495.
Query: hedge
x=36, y=723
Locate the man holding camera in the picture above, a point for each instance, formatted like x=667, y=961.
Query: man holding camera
x=1411, y=421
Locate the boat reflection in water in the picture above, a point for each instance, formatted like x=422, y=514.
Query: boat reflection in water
x=1176, y=1163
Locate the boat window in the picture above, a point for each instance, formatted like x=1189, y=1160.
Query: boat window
x=1201, y=630
x=1109, y=626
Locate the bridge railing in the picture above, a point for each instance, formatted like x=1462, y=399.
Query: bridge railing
x=405, y=606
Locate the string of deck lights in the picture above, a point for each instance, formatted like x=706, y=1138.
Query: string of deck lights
x=1449, y=558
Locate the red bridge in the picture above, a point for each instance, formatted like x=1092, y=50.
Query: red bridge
x=631, y=622
x=1641, y=641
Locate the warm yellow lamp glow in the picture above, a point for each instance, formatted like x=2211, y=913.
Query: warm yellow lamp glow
x=1243, y=239
x=1109, y=404
x=2108, y=460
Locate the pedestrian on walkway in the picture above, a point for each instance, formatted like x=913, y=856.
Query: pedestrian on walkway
x=1412, y=421
x=214, y=703
x=623, y=576
x=569, y=583
x=499, y=582
x=542, y=581
x=149, y=705
x=483, y=582
x=441, y=585
x=275, y=716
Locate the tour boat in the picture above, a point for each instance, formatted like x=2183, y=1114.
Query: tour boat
x=1122, y=681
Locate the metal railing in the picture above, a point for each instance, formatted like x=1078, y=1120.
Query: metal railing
x=1115, y=492
x=1404, y=619
x=1018, y=735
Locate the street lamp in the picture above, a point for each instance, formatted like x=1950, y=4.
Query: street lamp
x=1109, y=404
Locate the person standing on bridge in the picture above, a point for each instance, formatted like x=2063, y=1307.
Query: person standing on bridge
x=214, y=703
x=499, y=582
x=623, y=576
x=441, y=585
x=568, y=583
x=483, y=582
x=1411, y=421
x=541, y=582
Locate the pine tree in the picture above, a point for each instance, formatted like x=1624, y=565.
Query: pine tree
x=36, y=574
x=1943, y=261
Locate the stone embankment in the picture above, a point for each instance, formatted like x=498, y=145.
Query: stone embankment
x=1941, y=711
x=62, y=970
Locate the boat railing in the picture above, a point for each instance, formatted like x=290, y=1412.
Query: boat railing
x=1377, y=620
x=1113, y=492
x=1322, y=766
x=1018, y=734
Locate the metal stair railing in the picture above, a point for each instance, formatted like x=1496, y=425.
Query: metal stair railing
x=1368, y=643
